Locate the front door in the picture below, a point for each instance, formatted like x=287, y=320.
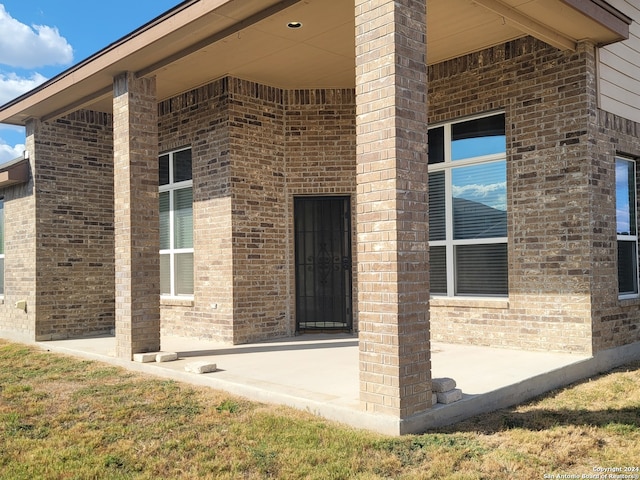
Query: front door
x=323, y=263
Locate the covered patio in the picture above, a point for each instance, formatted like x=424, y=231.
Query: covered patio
x=319, y=373
x=228, y=79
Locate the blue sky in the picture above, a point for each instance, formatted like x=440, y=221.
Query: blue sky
x=41, y=38
x=624, y=169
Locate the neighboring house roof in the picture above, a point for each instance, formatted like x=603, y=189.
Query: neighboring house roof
x=476, y=220
x=200, y=40
x=14, y=172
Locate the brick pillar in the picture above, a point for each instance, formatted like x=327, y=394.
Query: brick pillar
x=393, y=277
x=135, y=137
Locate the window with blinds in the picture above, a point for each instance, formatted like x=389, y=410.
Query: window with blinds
x=468, y=207
x=626, y=228
x=176, y=223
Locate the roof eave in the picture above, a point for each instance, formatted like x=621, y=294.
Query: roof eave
x=80, y=85
x=606, y=15
x=10, y=112
x=14, y=172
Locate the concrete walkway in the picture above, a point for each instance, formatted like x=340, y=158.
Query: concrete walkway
x=319, y=373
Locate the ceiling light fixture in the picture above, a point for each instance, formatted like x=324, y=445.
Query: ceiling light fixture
x=294, y=25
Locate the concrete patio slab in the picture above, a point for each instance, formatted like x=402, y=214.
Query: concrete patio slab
x=319, y=373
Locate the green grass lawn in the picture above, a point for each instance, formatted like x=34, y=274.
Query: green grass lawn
x=64, y=418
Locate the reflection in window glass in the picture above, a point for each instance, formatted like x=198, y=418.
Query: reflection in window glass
x=475, y=138
x=480, y=201
x=626, y=227
x=625, y=197
x=165, y=274
x=184, y=273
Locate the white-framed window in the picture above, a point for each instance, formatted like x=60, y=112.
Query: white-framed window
x=626, y=227
x=468, y=207
x=176, y=223
x=1, y=247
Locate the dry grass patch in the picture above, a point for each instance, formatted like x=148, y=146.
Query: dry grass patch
x=65, y=418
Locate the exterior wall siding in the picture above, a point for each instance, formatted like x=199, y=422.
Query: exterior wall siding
x=619, y=68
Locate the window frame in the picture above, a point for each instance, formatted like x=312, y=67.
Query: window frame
x=631, y=237
x=450, y=243
x=171, y=188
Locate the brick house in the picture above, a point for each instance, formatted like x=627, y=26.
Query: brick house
x=248, y=170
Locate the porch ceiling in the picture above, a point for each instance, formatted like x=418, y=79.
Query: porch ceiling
x=201, y=40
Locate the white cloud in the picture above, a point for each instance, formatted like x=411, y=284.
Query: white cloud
x=11, y=85
x=492, y=195
x=7, y=152
x=478, y=190
x=22, y=46
x=11, y=142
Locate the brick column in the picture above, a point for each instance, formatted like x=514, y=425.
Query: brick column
x=135, y=137
x=393, y=277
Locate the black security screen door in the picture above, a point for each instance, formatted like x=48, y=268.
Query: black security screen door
x=323, y=263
